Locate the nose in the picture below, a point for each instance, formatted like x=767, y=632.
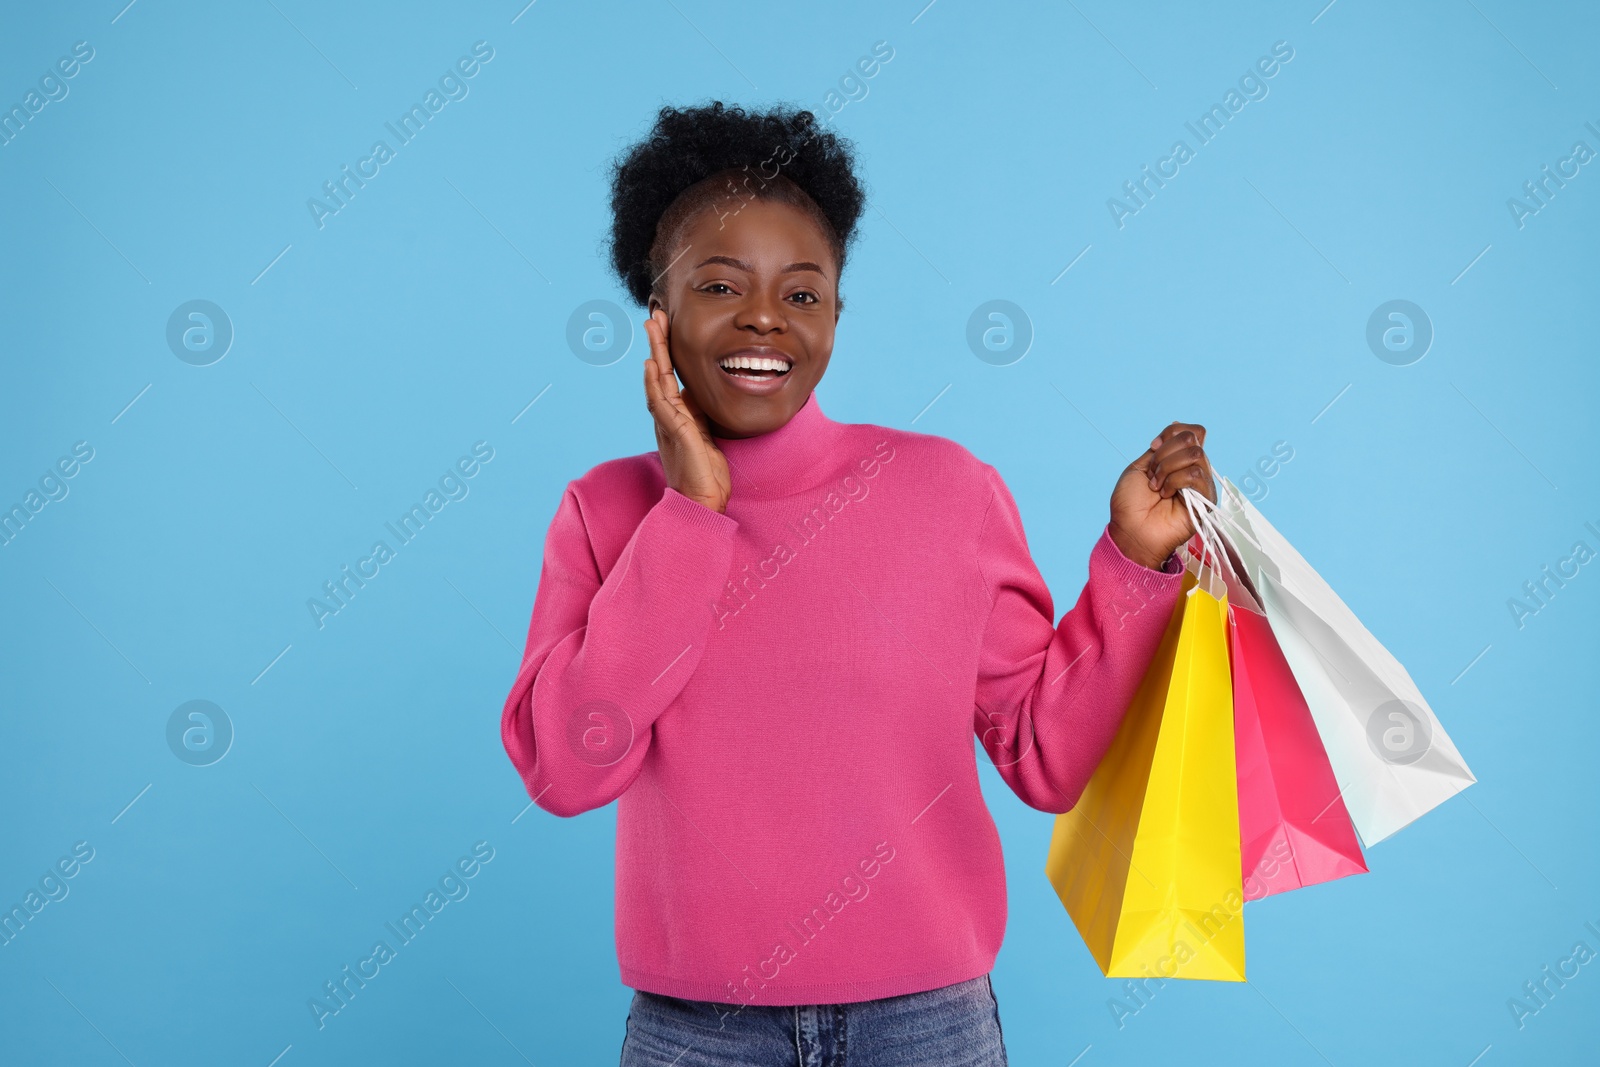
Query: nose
x=761, y=311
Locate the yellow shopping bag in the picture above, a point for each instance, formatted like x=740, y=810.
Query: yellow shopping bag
x=1147, y=861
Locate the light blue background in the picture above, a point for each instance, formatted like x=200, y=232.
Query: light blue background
x=429, y=312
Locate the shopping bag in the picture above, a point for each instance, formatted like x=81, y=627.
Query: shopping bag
x=1393, y=760
x=1147, y=862
x=1294, y=830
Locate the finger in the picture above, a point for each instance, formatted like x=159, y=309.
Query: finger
x=672, y=418
x=657, y=335
x=1175, y=455
x=1179, y=440
x=661, y=355
x=654, y=402
x=693, y=408
x=1146, y=459
x=661, y=406
x=1176, y=428
x=1173, y=458
x=1175, y=437
x=649, y=377
x=659, y=367
x=652, y=366
x=1179, y=427
x=1196, y=476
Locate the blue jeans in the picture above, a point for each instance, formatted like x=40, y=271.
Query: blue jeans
x=954, y=1026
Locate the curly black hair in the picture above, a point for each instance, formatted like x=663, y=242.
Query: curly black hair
x=708, y=152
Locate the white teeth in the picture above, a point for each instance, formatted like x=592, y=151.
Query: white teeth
x=753, y=363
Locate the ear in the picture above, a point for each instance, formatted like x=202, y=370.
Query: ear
x=653, y=303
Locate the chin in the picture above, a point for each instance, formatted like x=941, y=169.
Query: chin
x=747, y=416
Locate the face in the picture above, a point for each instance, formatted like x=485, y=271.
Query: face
x=760, y=283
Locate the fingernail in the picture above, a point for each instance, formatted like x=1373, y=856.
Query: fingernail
x=1155, y=444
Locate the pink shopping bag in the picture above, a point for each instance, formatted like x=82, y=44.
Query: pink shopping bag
x=1293, y=827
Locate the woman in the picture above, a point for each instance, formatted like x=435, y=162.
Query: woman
x=773, y=640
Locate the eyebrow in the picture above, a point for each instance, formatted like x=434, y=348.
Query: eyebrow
x=741, y=265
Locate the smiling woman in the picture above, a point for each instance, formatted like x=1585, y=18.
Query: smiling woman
x=748, y=373
x=743, y=277
x=752, y=762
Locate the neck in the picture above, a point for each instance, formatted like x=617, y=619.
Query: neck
x=782, y=461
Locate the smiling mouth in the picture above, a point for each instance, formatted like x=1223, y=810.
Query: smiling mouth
x=754, y=368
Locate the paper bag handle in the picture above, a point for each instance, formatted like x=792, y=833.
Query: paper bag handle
x=1213, y=543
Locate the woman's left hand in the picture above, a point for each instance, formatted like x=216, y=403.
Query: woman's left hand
x=1148, y=520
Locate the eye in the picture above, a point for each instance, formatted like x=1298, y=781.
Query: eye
x=715, y=285
x=811, y=298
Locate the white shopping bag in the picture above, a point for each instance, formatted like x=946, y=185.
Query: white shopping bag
x=1393, y=759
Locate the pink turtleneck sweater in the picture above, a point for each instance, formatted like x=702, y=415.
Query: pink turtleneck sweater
x=786, y=700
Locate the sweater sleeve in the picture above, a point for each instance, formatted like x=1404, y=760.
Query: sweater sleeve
x=605, y=658
x=1050, y=698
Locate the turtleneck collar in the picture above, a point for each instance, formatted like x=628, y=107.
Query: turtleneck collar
x=784, y=461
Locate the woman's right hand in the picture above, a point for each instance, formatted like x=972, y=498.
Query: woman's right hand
x=694, y=465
